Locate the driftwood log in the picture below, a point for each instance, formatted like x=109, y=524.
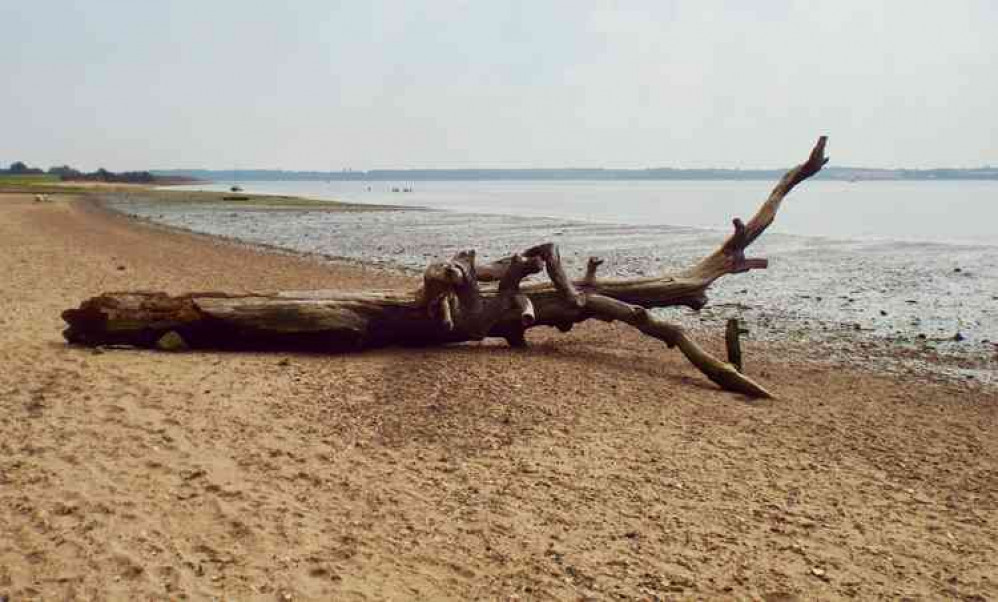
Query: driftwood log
x=460, y=300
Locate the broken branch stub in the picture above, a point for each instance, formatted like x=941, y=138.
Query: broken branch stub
x=733, y=332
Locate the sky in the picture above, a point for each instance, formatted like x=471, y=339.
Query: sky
x=326, y=85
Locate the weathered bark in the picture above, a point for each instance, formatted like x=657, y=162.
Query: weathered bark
x=450, y=307
x=733, y=341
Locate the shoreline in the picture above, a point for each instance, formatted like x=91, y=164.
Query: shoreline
x=100, y=205
x=593, y=464
x=445, y=195
x=257, y=201
x=843, y=342
x=708, y=322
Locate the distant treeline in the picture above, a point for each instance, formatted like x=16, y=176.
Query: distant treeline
x=660, y=173
x=68, y=174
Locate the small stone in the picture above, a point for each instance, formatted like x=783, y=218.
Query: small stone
x=883, y=312
x=958, y=337
x=121, y=268
x=957, y=270
x=171, y=341
x=818, y=572
x=197, y=473
x=284, y=362
x=64, y=509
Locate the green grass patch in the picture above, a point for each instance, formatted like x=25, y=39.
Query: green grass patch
x=27, y=180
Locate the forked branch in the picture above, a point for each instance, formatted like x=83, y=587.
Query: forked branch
x=730, y=258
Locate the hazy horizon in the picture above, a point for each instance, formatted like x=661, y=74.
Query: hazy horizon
x=718, y=168
x=456, y=85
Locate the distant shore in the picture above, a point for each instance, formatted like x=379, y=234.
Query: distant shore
x=164, y=192
x=236, y=200
x=849, y=174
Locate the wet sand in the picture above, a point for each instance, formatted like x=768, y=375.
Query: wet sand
x=594, y=465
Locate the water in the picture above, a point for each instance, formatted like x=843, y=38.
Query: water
x=940, y=211
x=912, y=263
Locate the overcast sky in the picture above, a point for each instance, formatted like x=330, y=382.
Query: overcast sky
x=319, y=84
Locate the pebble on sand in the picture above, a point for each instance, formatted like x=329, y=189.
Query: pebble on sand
x=171, y=341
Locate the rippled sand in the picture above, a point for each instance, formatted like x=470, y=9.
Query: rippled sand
x=593, y=465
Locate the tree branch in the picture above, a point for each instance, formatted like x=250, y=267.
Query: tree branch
x=730, y=258
x=722, y=373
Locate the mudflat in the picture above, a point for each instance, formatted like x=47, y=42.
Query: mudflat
x=594, y=465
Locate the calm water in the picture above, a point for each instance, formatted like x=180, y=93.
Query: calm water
x=914, y=263
x=962, y=212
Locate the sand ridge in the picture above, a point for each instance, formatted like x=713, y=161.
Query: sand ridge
x=596, y=465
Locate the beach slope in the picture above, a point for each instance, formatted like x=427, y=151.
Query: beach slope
x=597, y=465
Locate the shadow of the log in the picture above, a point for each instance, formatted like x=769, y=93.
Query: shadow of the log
x=568, y=355
x=583, y=356
x=477, y=398
x=472, y=399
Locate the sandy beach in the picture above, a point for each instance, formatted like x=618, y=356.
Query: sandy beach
x=597, y=465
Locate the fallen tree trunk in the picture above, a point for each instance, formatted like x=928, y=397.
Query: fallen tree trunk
x=450, y=307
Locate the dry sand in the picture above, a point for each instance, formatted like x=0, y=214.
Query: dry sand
x=596, y=465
